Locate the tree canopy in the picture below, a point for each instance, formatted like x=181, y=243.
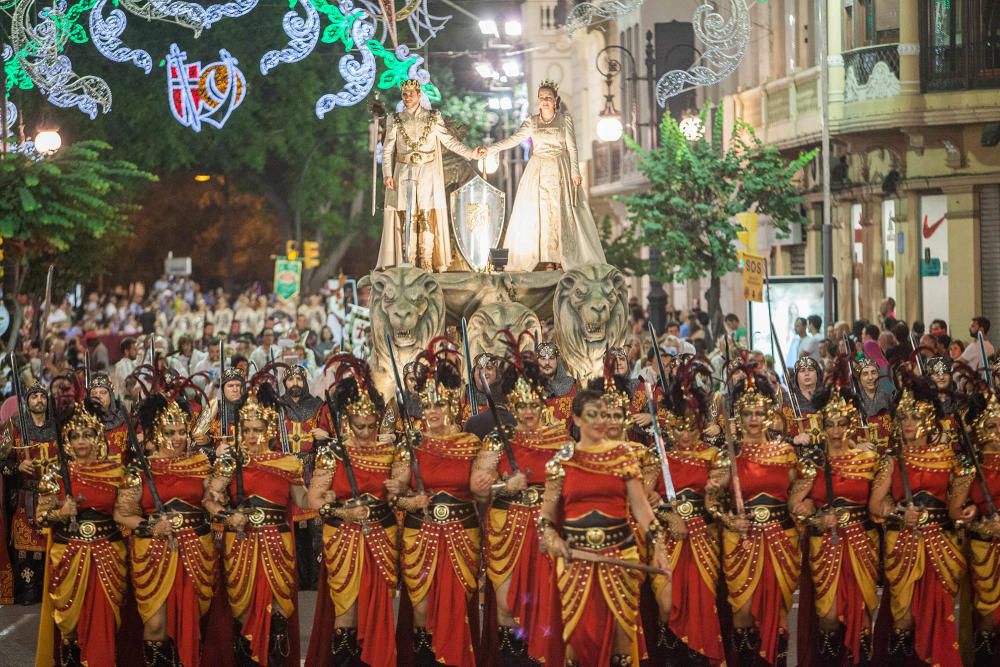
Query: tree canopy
x=696, y=190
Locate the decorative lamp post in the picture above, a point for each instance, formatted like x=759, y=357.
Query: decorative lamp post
x=48, y=142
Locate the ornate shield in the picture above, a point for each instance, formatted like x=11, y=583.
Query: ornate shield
x=478, y=216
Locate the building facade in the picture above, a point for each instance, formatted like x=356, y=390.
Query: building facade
x=914, y=118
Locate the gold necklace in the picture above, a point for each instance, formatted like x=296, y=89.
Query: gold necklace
x=423, y=135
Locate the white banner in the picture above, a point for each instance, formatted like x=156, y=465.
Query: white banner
x=934, y=257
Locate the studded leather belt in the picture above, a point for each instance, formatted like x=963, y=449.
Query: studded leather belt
x=846, y=515
x=379, y=513
x=761, y=511
x=597, y=537
x=91, y=526
x=444, y=508
x=529, y=497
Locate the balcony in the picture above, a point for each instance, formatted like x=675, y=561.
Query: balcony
x=960, y=66
x=959, y=45
x=871, y=73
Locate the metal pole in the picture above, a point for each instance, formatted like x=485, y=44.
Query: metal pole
x=824, y=100
x=657, y=298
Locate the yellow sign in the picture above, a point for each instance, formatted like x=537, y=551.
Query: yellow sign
x=310, y=252
x=748, y=235
x=753, y=278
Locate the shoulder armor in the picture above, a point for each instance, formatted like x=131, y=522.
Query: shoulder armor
x=554, y=468
x=402, y=454
x=225, y=466
x=326, y=459
x=806, y=469
x=49, y=483
x=493, y=442
x=721, y=459
x=963, y=466
x=132, y=478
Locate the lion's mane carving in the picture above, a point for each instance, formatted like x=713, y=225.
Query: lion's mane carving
x=590, y=310
x=486, y=324
x=409, y=304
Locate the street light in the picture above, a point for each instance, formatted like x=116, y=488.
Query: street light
x=47, y=141
x=489, y=27
x=512, y=28
x=485, y=70
x=511, y=68
x=691, y=126
x=609, y=124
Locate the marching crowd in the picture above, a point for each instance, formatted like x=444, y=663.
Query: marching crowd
x=506, y=513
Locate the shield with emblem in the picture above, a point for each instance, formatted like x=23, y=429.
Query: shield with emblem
x=478, y=216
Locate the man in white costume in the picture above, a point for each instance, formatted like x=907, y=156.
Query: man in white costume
x=414, y=180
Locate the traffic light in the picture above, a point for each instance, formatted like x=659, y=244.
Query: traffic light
x=310, y=253
x=292, y=249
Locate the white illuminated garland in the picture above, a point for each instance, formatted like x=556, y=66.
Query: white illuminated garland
x=106, y=33
x=303, y=34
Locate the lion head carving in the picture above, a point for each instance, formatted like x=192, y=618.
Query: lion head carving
x=408, y=304
x=590, y=313
x=487, y=322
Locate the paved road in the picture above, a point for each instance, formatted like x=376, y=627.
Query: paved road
x=19, y=630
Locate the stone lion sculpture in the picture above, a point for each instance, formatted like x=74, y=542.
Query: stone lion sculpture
x=408, y=303
x=590, y=314
x=488, y=321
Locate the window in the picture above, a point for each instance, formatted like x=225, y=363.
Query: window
x=870, y=22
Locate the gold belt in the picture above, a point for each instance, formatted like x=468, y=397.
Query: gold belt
x=761, y=514
x=88, y=530
x=597, y=537
x=415, y=158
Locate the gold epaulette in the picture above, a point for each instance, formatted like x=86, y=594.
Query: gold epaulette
x=132, y=478
x=554, y=468
x=326, y=459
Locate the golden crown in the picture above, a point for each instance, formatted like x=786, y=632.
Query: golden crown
x=410, y=84
x=254, y=410
x=989, y=413
x=435, y=393
x=82, y=420
x=751, y=398
x=910, y=406
x=550, y=84
x=171, y=415
x=362, y=406
x=838, y=408
x=523, y=392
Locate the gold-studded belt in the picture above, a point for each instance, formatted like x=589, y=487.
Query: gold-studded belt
x=765, y=513
x=686, y=508
x=90, y=527
x=846, y=515
x=443, y=509
x=529, y=497
x=181, y=520
x=597, y=537
x=414, y=158
x=379, y=513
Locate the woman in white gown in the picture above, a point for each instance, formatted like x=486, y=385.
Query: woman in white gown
x=551, y=221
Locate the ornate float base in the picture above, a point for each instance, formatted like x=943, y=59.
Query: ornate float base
x=588, y=308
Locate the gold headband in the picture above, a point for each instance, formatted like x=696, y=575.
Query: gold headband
x=172, y=415
x=82, y=420
x=410, y=84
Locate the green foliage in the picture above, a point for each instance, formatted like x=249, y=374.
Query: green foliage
x=51, y=204
x=696, y=189
x=620, y=249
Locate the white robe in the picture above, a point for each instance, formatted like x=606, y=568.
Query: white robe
x=428, y=184
x=546, y=223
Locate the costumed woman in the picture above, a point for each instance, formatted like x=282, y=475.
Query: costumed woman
x=924, y=563
x=984, y=532
x=591, y=488
x=85, y=578
x=523, y=578
x=843, y=543
x=761, y=558
x=441, y=535
x=172, y=553
x=688, y=622
x=553, y=223
x=250, y=490
x=354, y=607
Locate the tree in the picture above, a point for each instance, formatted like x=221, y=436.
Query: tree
x=696, y=190
x=69, y=208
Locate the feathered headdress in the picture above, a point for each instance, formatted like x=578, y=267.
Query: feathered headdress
x=438, y=376
x=74, y=417
x=158, y=411
x=915, y=398
x=354, y=392
x=687, y=400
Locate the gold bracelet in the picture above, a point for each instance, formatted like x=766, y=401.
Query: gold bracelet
x=654, y=532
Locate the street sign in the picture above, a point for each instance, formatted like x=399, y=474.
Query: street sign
x=287, y=279
x=753, y=278
x=177, y=266
x=310, y=253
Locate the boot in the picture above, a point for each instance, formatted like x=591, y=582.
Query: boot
x=986, y=654
x=345, y=647
x=277, y=644
x=900, y=647
x=865, y=649
x=621, y=660
x=746, y=642
x=511, y=646
x=69, y=653
x=692, y=658
x=241, y=647
x=781, y=658
x=158, y=653
x=670, y=643
x=831, y=643
x=422, y=648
